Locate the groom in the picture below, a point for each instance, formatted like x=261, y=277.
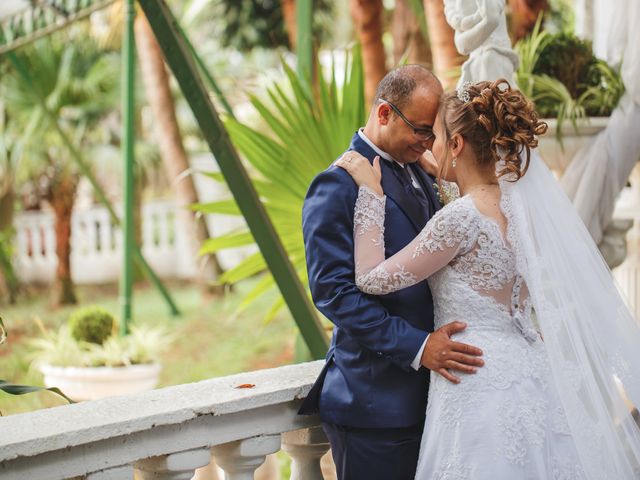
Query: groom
x=372, y=392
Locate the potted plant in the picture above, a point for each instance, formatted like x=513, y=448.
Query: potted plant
x=566, y=82
x=87, y=359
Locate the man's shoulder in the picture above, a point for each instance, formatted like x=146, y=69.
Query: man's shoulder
x=334, y=175
x=333, y=180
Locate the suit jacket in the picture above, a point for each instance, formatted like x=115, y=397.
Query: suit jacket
x=367, y=380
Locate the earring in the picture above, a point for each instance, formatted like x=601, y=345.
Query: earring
x=453, y=163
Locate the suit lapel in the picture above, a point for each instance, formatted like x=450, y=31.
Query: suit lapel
x=394, y=187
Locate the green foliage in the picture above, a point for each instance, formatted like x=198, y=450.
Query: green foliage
x=15, y=389
x=80, y=84
x=7, y=269
x=59, y=347
x=247, y=24
x=564, y=79
x=91, y=324
x=568, y=59
x=305, y=134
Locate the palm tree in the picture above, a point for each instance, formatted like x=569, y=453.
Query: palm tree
x=446, y=59
x=72, y=85
x=289, y=14
x=172, y=151
x=408, y=29
x=524, y=14
x=367, y=18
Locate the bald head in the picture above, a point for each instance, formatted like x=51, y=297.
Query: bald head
x=398, y=85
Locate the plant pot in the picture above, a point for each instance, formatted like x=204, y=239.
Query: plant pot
x=557, y=156
x=91, y=383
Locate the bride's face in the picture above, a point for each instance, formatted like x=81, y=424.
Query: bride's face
x=441, y=152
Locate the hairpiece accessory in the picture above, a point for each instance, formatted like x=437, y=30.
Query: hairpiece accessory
x=463, y=92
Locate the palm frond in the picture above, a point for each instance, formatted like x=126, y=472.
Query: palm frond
x=305, y=134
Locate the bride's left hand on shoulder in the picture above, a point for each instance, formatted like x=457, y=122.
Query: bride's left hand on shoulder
x=361, y=170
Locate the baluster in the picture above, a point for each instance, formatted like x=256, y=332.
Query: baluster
x=163, y=227
x=240, y=459
x=305, y=447
x=36, y=243
x=175, y=466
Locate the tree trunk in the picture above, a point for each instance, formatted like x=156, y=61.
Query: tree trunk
x=446, y=59
x=408, y=38
x=289, y=15
x=174, y=157
x=524, y=14
x=367, y=18
x=62, y=198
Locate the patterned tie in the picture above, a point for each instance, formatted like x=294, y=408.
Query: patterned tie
x=407, y=183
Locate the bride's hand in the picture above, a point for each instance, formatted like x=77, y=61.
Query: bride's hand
x=361, y=170
x=428, y=163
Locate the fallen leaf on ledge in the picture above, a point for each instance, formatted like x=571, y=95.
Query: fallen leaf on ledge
x=245, y=385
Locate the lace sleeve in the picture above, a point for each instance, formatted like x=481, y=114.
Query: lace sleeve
x=452, y=230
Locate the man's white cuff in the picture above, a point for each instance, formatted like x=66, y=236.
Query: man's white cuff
x=416, y=361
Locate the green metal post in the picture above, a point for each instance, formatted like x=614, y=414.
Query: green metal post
x=87, y=172
x=177, y=54
x=304, y=43
x=128, y=126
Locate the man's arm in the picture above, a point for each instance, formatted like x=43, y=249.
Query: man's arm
x=327, y=223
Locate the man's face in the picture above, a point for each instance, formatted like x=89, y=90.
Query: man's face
x=403, y=142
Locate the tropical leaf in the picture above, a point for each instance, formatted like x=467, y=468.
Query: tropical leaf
x=14, y=389
x=304, y=135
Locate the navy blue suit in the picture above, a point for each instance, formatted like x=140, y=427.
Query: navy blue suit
x=368, y=381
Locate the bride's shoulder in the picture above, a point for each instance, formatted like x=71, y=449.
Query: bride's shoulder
x=460, y=209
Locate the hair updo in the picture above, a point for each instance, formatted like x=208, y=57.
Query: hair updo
x=497, y=122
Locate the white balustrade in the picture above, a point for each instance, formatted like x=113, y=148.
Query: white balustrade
x=306, y=448
x=168, y=433
x=96, y=245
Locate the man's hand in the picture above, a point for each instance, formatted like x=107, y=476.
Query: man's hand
x=442, y=353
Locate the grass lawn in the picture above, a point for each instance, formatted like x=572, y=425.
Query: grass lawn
x=211, y=340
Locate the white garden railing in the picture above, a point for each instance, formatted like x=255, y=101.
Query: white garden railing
x=96, y=245
x=168, y=433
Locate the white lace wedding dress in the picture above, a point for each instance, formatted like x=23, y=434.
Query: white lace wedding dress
x=505, y=422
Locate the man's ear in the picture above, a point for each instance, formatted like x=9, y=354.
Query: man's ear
x=383, y=113
x=456, y=144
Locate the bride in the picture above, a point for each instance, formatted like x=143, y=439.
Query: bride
x=512, y=259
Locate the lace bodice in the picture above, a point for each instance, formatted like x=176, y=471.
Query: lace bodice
x=469, y=244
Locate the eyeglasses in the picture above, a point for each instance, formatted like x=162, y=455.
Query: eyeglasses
x=424, y=134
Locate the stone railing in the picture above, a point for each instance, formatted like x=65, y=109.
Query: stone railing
x=169, y=433
x=96, y=244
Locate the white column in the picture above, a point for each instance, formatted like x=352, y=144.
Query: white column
x=306, y=447
x=240, y=459
x=175, y=466
x=584, y=21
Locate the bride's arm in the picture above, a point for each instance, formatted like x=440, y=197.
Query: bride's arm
x=448, y=232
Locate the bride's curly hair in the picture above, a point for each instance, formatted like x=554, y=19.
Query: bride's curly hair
x=498, y=122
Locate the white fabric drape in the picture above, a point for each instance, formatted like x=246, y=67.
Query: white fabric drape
x=598, y=172
x=591, y=337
